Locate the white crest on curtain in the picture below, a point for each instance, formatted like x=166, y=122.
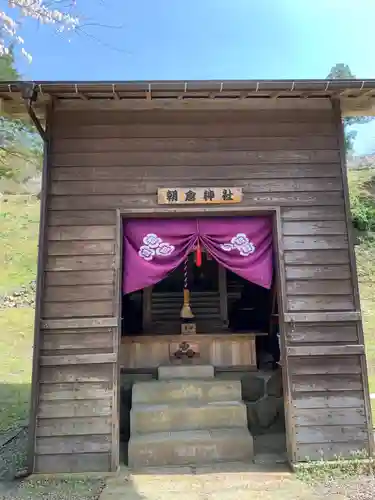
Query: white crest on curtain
x=241, y=243
x=154, y=246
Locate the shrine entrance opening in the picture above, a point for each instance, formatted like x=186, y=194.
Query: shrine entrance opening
x=223, y=265
x=199, y=297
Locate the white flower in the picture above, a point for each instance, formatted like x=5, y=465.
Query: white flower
x=152, y=240
x=241, y=243
x=153, y=245
x=146, y=253
x=227, y=247
x=164, y=249
x=240, y=240
x=38, y=10
x=27, y=55
x=7, y=20
x=247, y=249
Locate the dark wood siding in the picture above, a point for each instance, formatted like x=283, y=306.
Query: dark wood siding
x=328, y=402
x=102, y=161
x=75, y=414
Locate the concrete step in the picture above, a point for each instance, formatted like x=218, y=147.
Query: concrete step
x=186, y=372
x=174, y=391
x=190, y=448
x=180, y=417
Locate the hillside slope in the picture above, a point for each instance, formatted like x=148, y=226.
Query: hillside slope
x=19, y=217
x=362, y=197
x=19, y=226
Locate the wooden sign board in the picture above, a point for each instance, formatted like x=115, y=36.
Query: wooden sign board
x=199, y=195
x=188, y=328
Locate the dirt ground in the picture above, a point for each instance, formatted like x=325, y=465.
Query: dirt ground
x=236, y=481
x=221, y=482
x=224, y=483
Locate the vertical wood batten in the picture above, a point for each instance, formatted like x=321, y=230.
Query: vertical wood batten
x=282, y=302
x=42, y=252
x=336, y=106
x=222, y=274
x=116, y=396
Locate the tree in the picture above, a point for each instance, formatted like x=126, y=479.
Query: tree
x=20, y=145
x=342, y=71
x=7, y=70
x=57, y=12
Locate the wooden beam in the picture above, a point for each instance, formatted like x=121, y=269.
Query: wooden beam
x=197, y=211
x=369, y=93
x=280, y=282
x=15, y=108
x=147, y=308
x=223, y=294
x=362, y=105
x=327, y=317
x=326, y=350
x=42, y=256
x=65, y=324
x=191, y=103
x=78, y=359
x=116, y=393
x=166, y=339
x=35, y=120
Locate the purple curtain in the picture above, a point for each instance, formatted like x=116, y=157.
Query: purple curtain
x=155, y=247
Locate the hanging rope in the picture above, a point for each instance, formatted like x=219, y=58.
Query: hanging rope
x=186, y=312
x=186, y=274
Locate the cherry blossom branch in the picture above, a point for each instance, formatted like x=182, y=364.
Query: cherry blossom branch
x=57, y=12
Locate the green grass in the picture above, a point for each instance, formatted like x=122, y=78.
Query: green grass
x=16, y=339
x=19, y=223
x=365, y=254
x=366, y=271
x=362, y=194
x=321, y=471
x=19, y=217
x=59, y=489
x=360, y=181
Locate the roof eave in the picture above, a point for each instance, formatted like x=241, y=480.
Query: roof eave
x=357, y=96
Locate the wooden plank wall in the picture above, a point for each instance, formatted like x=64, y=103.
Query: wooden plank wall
x=221, y=351
x=106, y=160
x=76, y=392
x=328, y=402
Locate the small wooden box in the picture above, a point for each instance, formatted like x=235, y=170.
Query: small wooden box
x=188, y=329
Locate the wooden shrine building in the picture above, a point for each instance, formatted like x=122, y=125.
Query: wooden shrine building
x=136, y=152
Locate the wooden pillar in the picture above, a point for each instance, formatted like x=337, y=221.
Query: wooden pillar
x=147, y=309
x=223, y=295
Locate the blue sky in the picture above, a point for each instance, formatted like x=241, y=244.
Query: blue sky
x=207, y=39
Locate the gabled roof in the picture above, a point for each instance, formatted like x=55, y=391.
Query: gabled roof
x=357, y=96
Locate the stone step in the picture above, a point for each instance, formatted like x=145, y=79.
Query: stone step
x=190, y=448
x=174, y=391
x=186, y=372
x=180, y=417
